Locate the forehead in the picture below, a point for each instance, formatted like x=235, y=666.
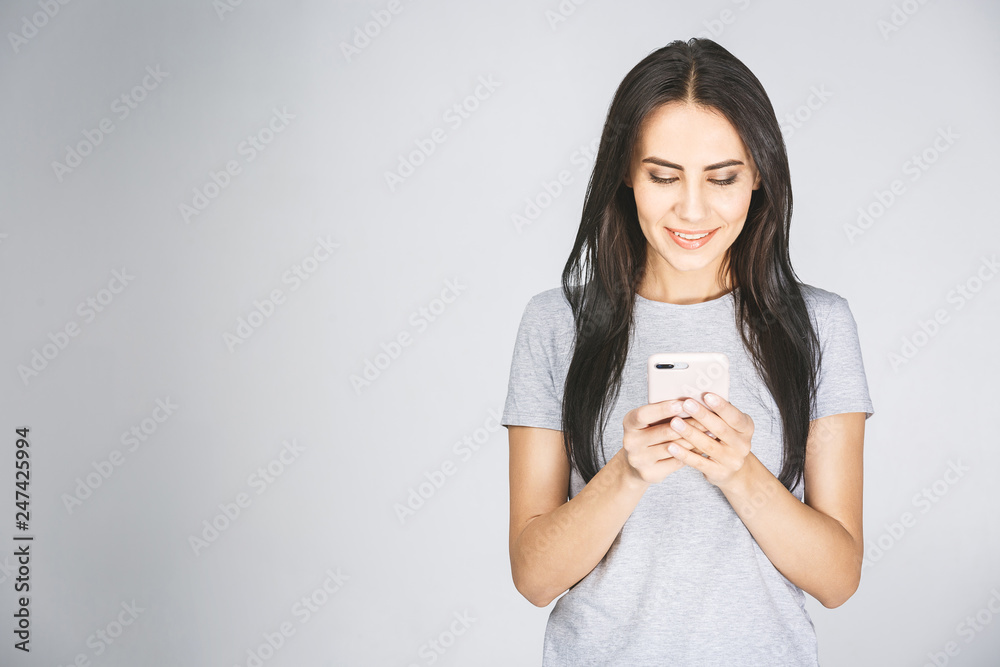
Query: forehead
x=689, y=135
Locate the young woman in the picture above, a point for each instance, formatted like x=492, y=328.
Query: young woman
x=677, y=546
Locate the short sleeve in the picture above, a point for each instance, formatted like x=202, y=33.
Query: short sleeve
x=533, y=397
x=842, y=384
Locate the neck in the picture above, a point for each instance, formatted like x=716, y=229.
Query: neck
x=682, y=292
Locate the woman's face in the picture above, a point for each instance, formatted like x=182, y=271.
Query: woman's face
x=690, y=173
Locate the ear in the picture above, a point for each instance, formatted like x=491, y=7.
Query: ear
x=757, y=182
x=628, y=179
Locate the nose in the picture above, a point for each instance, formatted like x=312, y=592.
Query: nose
x=692, y=206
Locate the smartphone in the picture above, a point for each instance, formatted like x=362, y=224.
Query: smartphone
x=680, y=375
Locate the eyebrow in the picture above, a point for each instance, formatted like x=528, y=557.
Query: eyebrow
x=711, y=167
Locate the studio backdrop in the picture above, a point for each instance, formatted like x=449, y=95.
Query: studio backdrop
x=262, y=265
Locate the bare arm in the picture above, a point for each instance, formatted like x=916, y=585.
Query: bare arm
x=817, y=544
x=555, y=543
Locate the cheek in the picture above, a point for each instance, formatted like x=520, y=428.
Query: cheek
x=733, y=206
x=651, y=203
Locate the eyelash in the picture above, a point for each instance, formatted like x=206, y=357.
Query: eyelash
x=655, y=179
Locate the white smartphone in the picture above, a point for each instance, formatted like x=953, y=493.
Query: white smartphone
x=680, y=375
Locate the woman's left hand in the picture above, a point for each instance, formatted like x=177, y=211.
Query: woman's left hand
x=722, y=459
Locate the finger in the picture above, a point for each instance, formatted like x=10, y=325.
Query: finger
x=716, y=449
x=652, y=455
x=680, y=440
x=732, y=416
x=668, y=465
x=652, y=413
x=658, y=434
x=664, y=434
x=689, y=458
x=641, y=442
x=714, y=422
x=691, y=421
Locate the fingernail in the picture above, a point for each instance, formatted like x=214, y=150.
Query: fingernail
x=691, y=406
x=711, y=399
x=674, y=449
x=678, y=424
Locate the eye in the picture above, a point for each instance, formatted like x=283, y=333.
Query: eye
x=657, y=179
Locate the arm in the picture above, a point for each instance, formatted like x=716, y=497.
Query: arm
x=817, y=545
x=555, y=543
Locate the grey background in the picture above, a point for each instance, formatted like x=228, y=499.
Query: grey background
x=362, y=452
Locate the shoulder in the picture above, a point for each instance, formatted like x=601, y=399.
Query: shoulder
x=548, y=317
x=549, y=306
x=553, y=298
x=831, y=315
x=823, y=303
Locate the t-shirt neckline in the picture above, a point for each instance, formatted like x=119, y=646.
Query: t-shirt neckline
x=726, y=298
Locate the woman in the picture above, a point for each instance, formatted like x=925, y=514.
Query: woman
x=677, y=547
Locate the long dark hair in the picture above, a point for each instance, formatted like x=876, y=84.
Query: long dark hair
x=608, y=260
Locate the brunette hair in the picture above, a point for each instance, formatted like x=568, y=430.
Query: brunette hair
x=608, y=259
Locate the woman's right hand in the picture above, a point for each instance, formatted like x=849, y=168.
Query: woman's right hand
x=647, y=434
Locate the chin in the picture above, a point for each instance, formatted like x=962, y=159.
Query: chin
x=687, y=263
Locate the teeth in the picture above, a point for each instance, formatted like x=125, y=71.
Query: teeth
x=691, y=237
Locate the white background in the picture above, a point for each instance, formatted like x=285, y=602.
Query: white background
x=361, y=451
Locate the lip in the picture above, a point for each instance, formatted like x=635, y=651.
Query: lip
x=691, y=245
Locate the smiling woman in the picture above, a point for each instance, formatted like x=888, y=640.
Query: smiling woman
x=702, y=206
x=661, y=555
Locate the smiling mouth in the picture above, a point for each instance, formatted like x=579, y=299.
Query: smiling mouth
x=692, y=240
x=690, y=236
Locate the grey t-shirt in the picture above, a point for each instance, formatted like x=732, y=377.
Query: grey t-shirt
x=684, y=582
